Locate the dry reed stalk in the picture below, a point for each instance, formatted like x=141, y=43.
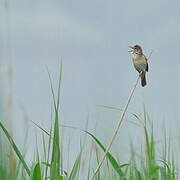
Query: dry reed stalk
x=117, y=128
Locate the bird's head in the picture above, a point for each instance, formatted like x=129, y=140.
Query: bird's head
x=136, y=49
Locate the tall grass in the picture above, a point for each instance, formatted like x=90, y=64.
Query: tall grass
x=50, y=163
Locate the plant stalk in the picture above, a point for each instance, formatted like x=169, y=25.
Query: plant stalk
x=117, y=128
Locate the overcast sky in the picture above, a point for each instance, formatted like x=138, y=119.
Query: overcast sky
x=92, y=37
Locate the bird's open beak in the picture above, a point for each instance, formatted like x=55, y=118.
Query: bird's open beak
x=131, y=50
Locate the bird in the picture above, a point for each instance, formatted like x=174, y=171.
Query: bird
x=140, y=62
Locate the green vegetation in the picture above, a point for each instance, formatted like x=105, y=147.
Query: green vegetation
x=145, y=166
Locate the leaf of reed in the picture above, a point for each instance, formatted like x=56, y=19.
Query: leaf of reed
x=97, y=158
x=36, y=173
x=55, y=158
x=18, y=153
x=59, y=84
x=124, y=165
x=59, y=178
x=48, y=154
x=112, y=160
x=52, y=89
x=110, y=107
x=41, y=128
x=75, y=168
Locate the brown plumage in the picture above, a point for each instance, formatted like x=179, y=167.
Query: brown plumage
x=143, y=79
x=140, y=63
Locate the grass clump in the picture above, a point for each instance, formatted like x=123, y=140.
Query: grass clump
x=146, y=165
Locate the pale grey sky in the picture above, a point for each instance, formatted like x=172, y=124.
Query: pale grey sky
x=93, y=37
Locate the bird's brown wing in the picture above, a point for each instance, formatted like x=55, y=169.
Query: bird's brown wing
x=147, y=67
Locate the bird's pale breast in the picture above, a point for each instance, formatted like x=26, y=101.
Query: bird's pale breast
x=139, y=62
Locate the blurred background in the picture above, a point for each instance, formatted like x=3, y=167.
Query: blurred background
x=92, y=38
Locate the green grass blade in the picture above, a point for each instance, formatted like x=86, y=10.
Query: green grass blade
x=75, y=169
x=52, y=89
x=59, y=85
x=41, y=128
x=48, y=153
x=36, y=173
x=97, y=158
x=59, y=178
x=110, y=107
x=112, y=160
x=18, y=153
x=55, y=158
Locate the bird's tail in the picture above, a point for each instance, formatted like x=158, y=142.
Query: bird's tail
x=143, y=79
